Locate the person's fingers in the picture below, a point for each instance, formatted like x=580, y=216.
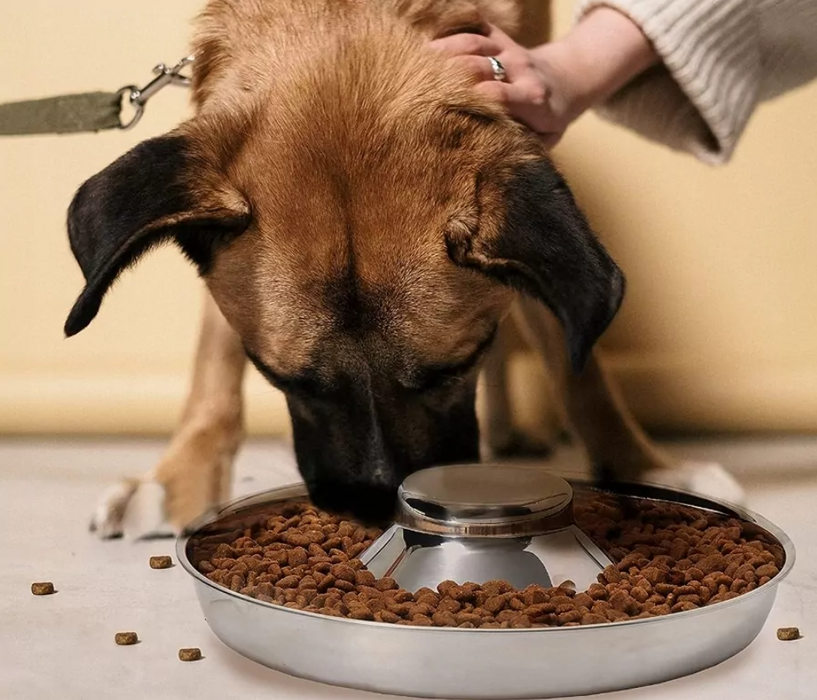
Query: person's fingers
x=478, y=66
x=466, y=44
x=495, y=91
x=511, y=95
x=501, y=39
x=522, y=93
x=529, y=90
x=515, y=99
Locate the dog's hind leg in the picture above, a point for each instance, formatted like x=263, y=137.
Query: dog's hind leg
x=617, y=445
x=195, y=473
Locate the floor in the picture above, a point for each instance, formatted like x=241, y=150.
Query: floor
x=62, y=645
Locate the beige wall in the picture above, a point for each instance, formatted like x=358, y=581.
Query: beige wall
x=718, y=330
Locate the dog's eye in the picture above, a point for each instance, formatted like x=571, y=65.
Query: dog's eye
x=299, y=385
x=442, y=376
x=432, y=379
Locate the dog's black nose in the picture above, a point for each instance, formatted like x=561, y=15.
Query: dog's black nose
x=371, y=504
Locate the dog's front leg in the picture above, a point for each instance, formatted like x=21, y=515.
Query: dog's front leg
x=195, y=473
x=617, y=445
x=494, y=405
x=500, y=435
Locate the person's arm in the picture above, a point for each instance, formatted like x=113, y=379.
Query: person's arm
x=603, y=53
x=706, y=86
x=686, y=73
x=719, y=60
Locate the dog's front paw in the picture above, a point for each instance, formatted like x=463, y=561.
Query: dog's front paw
x=702, y=478
x=134, y=509
x=193, y=477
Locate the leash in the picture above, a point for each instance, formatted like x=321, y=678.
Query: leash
x=88, y=111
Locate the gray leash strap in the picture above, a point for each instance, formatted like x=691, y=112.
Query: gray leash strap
x=89, y=111
x=68, y=114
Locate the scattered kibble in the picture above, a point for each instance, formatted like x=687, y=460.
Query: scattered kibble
x=43, y=588
x=192, y=654
x=788, y=634
x=125, y=639
x=161, y=562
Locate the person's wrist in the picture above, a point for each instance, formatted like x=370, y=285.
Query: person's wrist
x=603, y=52
x=572, y=84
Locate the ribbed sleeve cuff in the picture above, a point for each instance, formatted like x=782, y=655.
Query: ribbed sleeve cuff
x=701, y=98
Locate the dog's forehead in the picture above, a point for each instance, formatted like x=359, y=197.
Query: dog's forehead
x=419, y=306
x=303, y=299
x=350, y=246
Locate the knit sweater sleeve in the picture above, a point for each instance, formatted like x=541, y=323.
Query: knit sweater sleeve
x=719, y=60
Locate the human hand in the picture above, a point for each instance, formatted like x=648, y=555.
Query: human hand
x=538, y=89
x=548, y=87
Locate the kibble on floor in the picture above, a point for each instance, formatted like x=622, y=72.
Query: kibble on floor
x=42, y=588
x=191, y=654
x=788, y=634
x=160, y=562
x=125, y=639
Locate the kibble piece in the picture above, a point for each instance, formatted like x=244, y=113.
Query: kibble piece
x=385, y=584
x=788, y=634
x=126, y=639
x=192, y=654
x=421, y=621
x=360, y=612
x=386, y=616
x=593, y=619
x=161, y=562
x=42, y=588
x=443, y=618
x=769, y=570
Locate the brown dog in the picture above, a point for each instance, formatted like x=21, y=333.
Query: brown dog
x=363, y=222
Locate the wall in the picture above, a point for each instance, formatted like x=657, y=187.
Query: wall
x=717, y=331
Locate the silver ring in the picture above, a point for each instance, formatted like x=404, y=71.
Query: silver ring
x=498, y=69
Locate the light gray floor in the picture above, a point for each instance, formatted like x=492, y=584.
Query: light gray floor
x=62, y=646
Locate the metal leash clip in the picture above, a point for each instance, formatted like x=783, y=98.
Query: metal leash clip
x=138, y=97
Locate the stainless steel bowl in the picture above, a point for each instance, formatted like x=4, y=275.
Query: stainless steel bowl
x=482, y=663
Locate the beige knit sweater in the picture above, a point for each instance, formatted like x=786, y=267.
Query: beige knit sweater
x=721, y=59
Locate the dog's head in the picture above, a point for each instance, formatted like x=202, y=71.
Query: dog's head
x=364, y=233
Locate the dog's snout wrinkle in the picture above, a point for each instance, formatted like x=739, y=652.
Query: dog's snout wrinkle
x=377, y=467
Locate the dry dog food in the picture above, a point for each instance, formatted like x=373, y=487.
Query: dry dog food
x=788, y=634
x=43, y=588
x=125, y=639
x=192, y=654
x=160, y=562
x=669, y=558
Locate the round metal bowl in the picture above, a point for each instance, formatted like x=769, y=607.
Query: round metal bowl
x=438, y=662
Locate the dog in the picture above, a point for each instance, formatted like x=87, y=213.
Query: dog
x=366, y=225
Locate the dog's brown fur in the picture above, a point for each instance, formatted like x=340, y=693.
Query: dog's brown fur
x=361, y=217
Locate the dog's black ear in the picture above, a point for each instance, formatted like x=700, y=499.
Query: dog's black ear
x=163, y=189
x=530, y=234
